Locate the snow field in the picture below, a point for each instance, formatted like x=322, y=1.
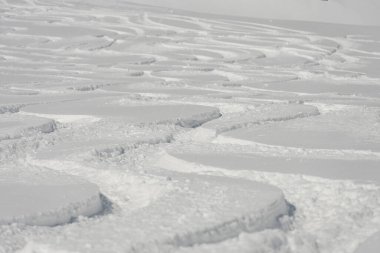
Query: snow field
x=190, y=127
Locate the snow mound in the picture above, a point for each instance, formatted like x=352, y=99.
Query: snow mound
x=45, y=198
x=225, y=215
x=188, y=210
x=183, y=115
x=15, y=126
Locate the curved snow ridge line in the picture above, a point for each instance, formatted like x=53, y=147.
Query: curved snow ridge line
x=275, y=119
x=204, y=140
x=108, y=45
x=232, y=77
x=298, y=115
x=89, y=207
x=199, y=119
x=307, y=152
x=220, y=50
x=193, y=121
x=45, y=128
x=10, y=108
x=110, y=152
x=353, y=216
x=90, y=87
x=64, y=118
x=60, y=215
x=158, y=22
x=264, y=218
x=267, y=218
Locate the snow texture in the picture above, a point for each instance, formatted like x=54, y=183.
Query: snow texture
x=45, y=198
x=133, y=128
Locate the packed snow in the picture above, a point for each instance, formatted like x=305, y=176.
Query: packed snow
x=141, y=128
x=35, y=196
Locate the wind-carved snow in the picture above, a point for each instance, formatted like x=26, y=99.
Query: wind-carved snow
x=320, y=194
x=16, y=126
x=195, y=133
x=352, y=128
x=183, y=115
x=45, y=198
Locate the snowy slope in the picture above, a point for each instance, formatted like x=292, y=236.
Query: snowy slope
x=364, y=12
x=201, y=133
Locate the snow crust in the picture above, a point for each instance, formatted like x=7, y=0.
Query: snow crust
x=359, y=131
x=16, y=126
x=183, y=115
x=45, y=198
x=195, y=132
x=332, y=168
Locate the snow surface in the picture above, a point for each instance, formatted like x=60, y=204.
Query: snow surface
x=364, y=12
x=15, y=126
x=358, y=170
x=45, y=198
x=184, y=115
x=147, y=129
x=371, y=245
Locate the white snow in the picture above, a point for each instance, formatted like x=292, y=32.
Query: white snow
x=371, y=245
x=150, y=129
x=184, y=115
x=351, y=128
x=45, y=198
x=362, y=12
x=15, y=126
x=333, y=168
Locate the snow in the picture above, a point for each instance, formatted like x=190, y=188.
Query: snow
x=322, y=87
x=16, y=126
x=163, y=91
x=338, y=11
x=326, y=195
x=184, y=115
x=371, y=245
x=358, y=170
x=133, y=128
x=261, y=114
x=45, y=198
x=359, y=131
